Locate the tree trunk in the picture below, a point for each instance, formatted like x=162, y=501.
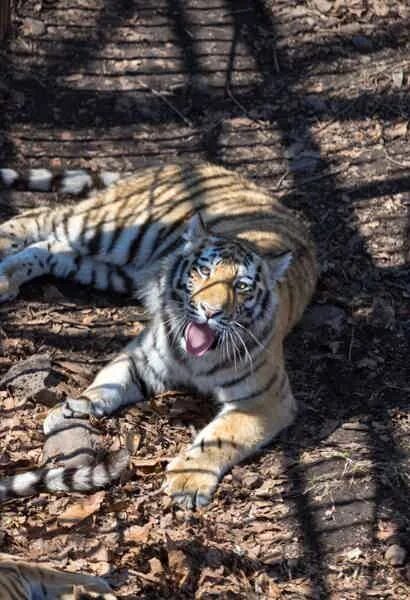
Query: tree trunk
x=5, y=10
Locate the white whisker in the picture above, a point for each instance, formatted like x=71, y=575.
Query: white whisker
x=252, y=335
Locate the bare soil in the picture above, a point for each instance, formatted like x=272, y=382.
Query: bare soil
x=311, y=100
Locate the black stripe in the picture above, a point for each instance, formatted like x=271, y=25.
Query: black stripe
x=144, y=389
x=177, y=269
x=155, y=240
x=83, y=229
x=94, y=244
x=37, y=224
x=134, y=246
x=133, y=369
x=283, y=383
x=265, y=337
x=112, y=285
x=84, y=397
x=92, y=275
x=64, y=223
x=175, y=297
x=127, y=280
x=224, y=365
x=176, y=352
x=264, y=303
x=169, y=248
x=115, y=236
x=54, y=226
x=68, y=478
x=258, y=392
x=11, y=586
x=52, y=263
x=159, y=351
x=241, y=378
x=148, y=365
x=171, y=228
x=77, y=262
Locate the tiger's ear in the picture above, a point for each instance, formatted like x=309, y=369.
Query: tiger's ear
x=194, y=232
x=278, y=265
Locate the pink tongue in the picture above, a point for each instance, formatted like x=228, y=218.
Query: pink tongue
x=199, y=338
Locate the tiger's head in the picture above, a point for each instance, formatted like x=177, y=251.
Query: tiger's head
x=222, y=294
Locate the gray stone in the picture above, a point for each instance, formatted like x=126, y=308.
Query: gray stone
x=395, y=555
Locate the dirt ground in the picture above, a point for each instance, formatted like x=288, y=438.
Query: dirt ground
x=311, y=100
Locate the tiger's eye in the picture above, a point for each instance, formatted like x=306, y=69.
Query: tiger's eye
x=204, y=271
x=241, y=286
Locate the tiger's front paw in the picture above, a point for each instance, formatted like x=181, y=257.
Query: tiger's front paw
x=190, y=482
x=60, y=415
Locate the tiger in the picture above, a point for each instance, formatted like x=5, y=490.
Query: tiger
x=23, y=580
x=224, y=271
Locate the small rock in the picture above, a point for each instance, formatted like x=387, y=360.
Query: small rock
x=251, y=481
x=30, y=378
x=398, y=78
x=395, y=555
x=323, y=5
x=33, y=27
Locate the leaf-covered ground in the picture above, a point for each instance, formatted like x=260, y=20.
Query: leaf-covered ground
x=310, y=99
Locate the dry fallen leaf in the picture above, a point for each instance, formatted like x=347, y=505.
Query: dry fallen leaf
x=156, y=568
x=138, y=533
x=81, y=510
x=354, y=554
x=179, y=565
x=386, y=530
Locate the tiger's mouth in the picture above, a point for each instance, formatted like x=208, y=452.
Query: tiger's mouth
x=200, y=338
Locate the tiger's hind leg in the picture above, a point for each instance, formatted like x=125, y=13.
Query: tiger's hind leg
x=23, y=230
x=17, y=268
x=60, y=260
x=39, y=581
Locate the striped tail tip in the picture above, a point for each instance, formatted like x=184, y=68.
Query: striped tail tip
x=84, y=478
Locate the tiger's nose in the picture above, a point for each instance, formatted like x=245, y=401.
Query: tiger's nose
x=210, y=312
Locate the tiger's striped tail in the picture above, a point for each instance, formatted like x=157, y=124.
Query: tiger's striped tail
x=71, y=182
x=84, y=478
